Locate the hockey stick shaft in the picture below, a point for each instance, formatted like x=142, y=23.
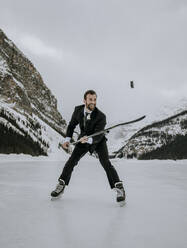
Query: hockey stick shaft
x=107, y=129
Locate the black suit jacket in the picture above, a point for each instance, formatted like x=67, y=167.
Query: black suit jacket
x=96, y=123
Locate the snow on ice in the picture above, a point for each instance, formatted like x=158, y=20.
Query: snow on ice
x=87, y=214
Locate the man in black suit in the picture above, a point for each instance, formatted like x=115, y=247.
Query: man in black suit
x=90, y=120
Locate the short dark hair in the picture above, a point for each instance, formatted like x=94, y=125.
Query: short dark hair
x=92, y=92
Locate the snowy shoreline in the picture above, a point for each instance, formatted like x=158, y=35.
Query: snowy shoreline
x=59, y=156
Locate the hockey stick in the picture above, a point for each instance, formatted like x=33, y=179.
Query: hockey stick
x=107, y=129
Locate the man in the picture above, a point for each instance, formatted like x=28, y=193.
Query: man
x=90, y=120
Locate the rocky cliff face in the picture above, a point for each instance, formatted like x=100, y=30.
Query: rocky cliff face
x=166, y=139
x=27, y=106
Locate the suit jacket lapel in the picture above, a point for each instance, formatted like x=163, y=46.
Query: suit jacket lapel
x=82, y=116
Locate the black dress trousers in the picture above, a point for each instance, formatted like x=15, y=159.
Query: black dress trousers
x=79, y=151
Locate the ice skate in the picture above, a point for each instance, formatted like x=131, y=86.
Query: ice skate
x=120, y=198
x=57, y=193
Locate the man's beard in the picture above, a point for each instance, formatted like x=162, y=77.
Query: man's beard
x=89, y=106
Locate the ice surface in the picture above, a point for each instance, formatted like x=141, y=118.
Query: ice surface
x=87, y=215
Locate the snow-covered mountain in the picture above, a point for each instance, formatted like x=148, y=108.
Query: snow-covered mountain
x=119, y=136
x=162, y=139
x=29, y=120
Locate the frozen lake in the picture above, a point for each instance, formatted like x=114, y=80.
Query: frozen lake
x=87, y=215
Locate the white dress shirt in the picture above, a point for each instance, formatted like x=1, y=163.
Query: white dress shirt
x=90, y=140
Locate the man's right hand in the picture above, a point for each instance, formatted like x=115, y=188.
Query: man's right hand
x=65, y=145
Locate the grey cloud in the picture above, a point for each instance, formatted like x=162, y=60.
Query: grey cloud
x=106, y=44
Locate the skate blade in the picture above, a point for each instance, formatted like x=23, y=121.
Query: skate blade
x=54, y=198
x=122, y=203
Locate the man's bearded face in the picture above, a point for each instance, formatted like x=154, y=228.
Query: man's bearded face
x=90, y=102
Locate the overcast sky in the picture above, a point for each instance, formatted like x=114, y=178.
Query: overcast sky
x=102, y=45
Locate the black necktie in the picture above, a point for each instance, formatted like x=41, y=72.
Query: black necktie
x=85, y=118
